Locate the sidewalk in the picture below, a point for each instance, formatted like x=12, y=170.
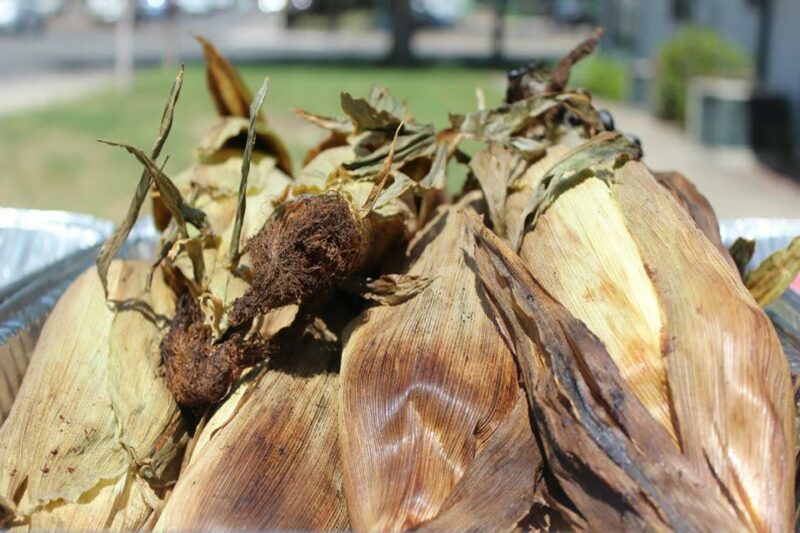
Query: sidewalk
x=34, y=91
x=735, y=183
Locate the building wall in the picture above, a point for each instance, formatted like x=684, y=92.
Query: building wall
x=654, y=21
x=736, y=20
x=648, y=23
x=783, y=66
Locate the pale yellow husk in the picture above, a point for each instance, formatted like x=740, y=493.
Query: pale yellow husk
x=94, y=431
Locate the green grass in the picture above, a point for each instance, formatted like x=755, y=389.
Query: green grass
x=49, y=158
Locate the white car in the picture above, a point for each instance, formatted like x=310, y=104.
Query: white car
x=110, y=11
x=106, y=11
x=18, y=16
x=272, y=6
x=195, y=7
x=222, y=5
x=48, y=8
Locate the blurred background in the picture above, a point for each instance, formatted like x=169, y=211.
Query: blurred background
x=712, y=87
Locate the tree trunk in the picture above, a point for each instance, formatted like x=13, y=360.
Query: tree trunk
x=402, y=24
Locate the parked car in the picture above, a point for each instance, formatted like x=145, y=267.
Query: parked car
x=152, y=9
x=110, y=11
x=195, y=7
x=19, y=16
x=272, y=6
x=224, y=5
x=48, y=8
x=438, y=13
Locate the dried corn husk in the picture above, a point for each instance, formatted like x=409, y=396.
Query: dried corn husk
x=94, y=435
x=690, y=345
x=496, y=490
x=333, y=223
x=233, y=101
x=204, y=260
x=741, y=251
x=269, y=458
x=698, y=207
x=774, y=275
x=617, y=465
x=425, y=385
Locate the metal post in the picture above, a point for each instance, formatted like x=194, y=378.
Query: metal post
x=124, y=48
x=171, y=46
x=764, y=31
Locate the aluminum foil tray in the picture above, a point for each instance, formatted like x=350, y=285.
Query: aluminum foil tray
x=30, y=240
x=43, y=252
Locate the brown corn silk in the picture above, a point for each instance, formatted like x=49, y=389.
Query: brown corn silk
x=424, y=386
x=687, y=340
x=94, y=434
x=268, y=459
x=242, y=168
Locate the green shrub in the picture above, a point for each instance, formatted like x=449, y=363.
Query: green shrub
x=604, y=76
x=693, y=52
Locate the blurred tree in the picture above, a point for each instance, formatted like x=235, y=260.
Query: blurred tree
x=402, y=25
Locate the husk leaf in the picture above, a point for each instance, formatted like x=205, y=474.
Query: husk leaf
x=617, y=465
x=698, y=207
x=241, y=201
x=496, y=491
x=774, y=275
x=679, y=325
x=114, y=243
x=93, y=454
x=268, y=460
x=230, y=94
x=424, y=386
x=741, y=251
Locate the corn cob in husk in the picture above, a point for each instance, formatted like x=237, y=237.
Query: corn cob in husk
x=638, y=269
x=268, y=459
x=681, y=336
x=94, y=435
x=337, y=220
x=425, y=386
x=353, y=222
x=203, y=218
